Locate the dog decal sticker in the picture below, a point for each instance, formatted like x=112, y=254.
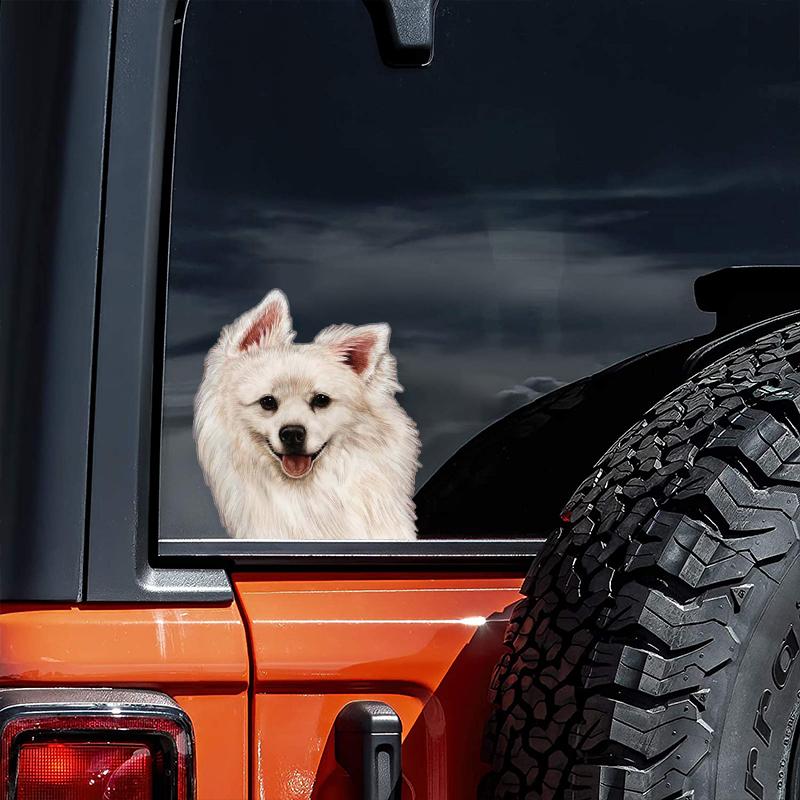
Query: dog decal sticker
x=305, y=441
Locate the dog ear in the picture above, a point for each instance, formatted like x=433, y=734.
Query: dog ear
x=267, y=325
x=362, y=348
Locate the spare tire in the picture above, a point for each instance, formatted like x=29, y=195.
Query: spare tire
x=656, y=653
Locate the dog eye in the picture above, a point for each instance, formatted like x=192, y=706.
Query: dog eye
x=320, y=401
x=268, y=403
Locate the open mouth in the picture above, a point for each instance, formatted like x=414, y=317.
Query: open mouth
x=296, y=465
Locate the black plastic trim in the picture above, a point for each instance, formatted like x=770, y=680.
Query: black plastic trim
x=718, y=348
x=54, y=65
x=368, y=742
x=404, y=30
x=742, y=295
x=484, y=554
x=119, y=567
x=96, y=319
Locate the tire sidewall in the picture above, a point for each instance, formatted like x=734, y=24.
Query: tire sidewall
x=763, y=714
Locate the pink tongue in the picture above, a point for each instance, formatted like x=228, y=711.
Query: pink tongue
x=296, y=466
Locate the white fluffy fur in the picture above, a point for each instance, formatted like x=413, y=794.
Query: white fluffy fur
x=361, y=484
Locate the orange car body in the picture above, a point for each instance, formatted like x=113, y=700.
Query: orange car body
x=263, y=679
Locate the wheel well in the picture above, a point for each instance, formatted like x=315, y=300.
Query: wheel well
x=514, y=477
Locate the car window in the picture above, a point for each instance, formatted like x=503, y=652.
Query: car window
x=532, y=207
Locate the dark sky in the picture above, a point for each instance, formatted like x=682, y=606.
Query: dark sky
x=530, y=209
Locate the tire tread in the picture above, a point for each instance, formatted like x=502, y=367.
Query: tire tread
x=635, y=602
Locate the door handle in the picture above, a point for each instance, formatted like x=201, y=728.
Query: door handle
x=367, y=739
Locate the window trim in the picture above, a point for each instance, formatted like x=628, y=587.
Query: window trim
x=501, y=553
x=120, y=555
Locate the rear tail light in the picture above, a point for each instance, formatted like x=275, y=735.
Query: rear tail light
x=110, y=751
x=90, y=771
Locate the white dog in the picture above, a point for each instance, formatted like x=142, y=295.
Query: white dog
x=305, y=441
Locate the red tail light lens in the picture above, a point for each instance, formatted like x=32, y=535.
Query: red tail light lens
x=68, y=771
x=118, y=755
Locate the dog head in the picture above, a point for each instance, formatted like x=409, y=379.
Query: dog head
x=287, y=403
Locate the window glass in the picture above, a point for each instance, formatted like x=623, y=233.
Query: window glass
x=531, y=208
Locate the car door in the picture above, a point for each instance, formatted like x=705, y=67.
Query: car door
x=424, y=645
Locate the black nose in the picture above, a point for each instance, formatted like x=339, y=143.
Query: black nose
x=293, y=436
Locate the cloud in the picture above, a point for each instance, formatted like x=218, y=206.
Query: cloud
x=669, y=183
x=542, y=384
x=508, y=400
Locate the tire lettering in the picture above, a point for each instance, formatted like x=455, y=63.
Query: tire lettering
x=785, y=659
x=761, y=726
x=751, y=784
x=782, y=665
